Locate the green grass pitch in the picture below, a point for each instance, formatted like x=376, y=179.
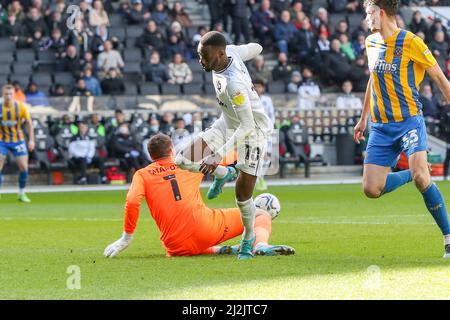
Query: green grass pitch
x=348, y=247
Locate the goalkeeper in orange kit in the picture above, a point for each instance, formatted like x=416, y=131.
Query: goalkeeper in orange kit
x=187, y=227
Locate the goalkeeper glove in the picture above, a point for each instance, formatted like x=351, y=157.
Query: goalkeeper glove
x=116, y=247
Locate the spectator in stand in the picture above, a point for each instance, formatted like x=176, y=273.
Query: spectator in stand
x=92, y=83
x=439, y=47
x=114, y=123
x=360, y=74
x=285, y=31
x=219, y=28
x=57, y=22
x=266, y=100
x=201, y=31
x=353, y=6
x=309, y=91
x=298, y=21
x=85, y=7
x=127, y=147
x=421, y=35
x=57, y=43
x=155, y=71
x=280, y=5
x=179, y=71
x=19, y=95
x=137, y=14
x=180, y=136
x=167, y=126
x=35, y=97
x=336, y=64
x=436, y=26
x=112, y=84
x=58, y=90
x=348, y=100
x=337, y=6
x=40, y=43
x=258, y=70
x=15, y=8
x=359, y=45
x=35, y=21
x=151, y=39
x=98, y=41
x=263, y=21
x=160, y=15
x=215, y=11
x=282, y=71
x=430, y=104
x=178, y=14
x=321, y=17
x=323, y=44
x=80, y=37
x=418, y=23
x=89, y=62
x=240, y=21
x=109, y=59
x=342, y=28
x=71, y=61
x=82, y=155
x=296, y=7
x=305, y=44
x=98, y=15
x=296, y=80
x=177, y=46
x=98, y=129
x=346, y=47
x=80, y=90
x=12, y=29
x=362, y=29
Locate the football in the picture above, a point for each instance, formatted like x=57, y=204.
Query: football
x=268, y=202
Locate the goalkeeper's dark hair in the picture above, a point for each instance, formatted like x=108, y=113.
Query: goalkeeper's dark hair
x=159, y=146
x=389, y=6
x=213, y=39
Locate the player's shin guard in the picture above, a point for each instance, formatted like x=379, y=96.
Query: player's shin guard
x=397, y=179
x=248, y=211
x=436, y=205
x=23, y=177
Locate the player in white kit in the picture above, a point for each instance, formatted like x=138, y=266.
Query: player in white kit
x=242, y=127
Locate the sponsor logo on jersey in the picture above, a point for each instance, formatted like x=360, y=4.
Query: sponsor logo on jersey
x=238, y=98
x=218, y=86
x=382, y=66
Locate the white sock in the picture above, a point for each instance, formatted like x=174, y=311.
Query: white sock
x=447, y=239
x=248, y=211
x=220, y=172
x=21, y=192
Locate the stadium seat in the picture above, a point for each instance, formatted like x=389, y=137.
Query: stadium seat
x=134, y=31
x=149, y=89
x=7, y=45
x=24, y=80
x=195, y=66
x=117, y=32
x=42, y=79
x=22, y=68
x=4, y=78
x=5, y=68
x=131, y=89
x=277, y=87
x=116, y=19
x=132, y=55
x=132, y=67
x=6, y=57
x=46, y=57
x=167, y=88
x=191, y=31
x=354, y=20
x=25, y=55
x=130, y=42
x=209, y=89
x=64, y=78
x=192, y=88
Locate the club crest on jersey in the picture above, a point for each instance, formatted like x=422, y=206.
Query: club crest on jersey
x=218, y=85
x=398, y=51
x=238, y=98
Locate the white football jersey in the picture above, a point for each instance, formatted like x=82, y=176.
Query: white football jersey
x=234, y=89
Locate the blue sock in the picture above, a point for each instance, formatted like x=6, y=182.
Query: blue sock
x=397, y=179
x=436, y=205
x=23, y=177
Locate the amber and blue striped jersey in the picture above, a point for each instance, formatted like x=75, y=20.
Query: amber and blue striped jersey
x=11, y=119
x=397, y=66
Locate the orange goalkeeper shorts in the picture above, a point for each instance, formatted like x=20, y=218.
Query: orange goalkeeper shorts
x=213, y=226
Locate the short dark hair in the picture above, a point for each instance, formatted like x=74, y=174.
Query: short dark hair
x=214, y=39
x=159, y=146
x=390, y=6
x=259, y=81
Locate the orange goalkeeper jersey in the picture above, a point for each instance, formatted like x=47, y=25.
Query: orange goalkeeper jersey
x=173, y=198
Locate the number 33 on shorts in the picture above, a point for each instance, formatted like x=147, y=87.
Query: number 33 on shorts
x=410, y=140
